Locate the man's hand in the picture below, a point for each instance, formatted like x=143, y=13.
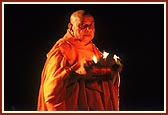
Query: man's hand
x=116, y=66
x=75, y=66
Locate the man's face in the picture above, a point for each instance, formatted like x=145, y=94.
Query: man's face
x=83, y=28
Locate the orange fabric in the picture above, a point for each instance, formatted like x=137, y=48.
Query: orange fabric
x=60, y=90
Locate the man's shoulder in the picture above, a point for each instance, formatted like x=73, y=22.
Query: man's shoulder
x=67, y=50
x=64, y=44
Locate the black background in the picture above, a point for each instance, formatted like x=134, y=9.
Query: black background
x=135, y=32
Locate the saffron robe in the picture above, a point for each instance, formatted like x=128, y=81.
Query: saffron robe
x=78, y=90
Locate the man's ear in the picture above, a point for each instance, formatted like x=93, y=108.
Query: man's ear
x=70, y=29
x=70, y=26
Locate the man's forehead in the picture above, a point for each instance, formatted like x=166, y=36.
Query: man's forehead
x=87, y=18
x=84, y=19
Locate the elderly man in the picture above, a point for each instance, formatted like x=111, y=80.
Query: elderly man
x=69, y=81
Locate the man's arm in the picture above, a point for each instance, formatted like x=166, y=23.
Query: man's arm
x=54, y=86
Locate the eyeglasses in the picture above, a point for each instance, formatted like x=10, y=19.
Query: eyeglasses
x=84, y=26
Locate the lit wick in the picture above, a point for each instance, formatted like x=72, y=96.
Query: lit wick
x=105, y=54
x=115, y=57
x=94, y=59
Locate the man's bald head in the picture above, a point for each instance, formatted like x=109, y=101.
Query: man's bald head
x=78, y=15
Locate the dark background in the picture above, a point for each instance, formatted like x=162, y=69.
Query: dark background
x=134, y=32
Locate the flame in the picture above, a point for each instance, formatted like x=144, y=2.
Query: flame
x=115, y=57
x=105, y=54
x=94, y=59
